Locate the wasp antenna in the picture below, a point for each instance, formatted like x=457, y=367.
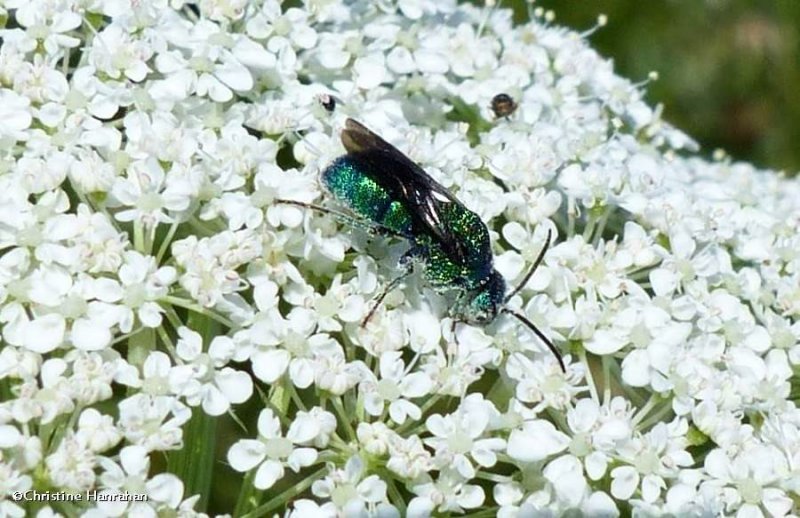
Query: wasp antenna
x=310, y=206
x=304, y=141
x=532, y=270
x=342, y=217
x=541, y=336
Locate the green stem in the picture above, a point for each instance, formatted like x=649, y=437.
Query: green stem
x=606, y=379
x=65, y=62
x=559, y=419
x=249, y=496
x=657, y=416
x=483, y=513
x=570, y=217
x=194, y=463
x=150, y=239
x=141, y=345
x=166, y=242
x=138, y=236
x=174, y=320
x=588, y=230
x=493, y=477
x=122, y=338
x=168, y=345
x=643, y=411
x=287, y=495
x=280, y=396
x=192, y=306
x=394, y=494
x=296, y=397
x=343, y=417
x=601, y=226
x=589, y=376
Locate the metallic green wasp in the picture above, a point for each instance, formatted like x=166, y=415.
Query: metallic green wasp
x=387, y=192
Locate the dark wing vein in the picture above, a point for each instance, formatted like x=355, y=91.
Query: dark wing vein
x=407, y=182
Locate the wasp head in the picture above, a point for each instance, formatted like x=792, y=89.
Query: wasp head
x=481, y=305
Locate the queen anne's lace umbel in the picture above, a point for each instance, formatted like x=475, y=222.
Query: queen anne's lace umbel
x=146, y=272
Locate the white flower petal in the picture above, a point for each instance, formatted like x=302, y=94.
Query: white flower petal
x=270, y=365
x=536, y=441
x=45, y=333
x=302, y=457
x=268, y=473
x=90, y=334
x=596, y=463
x=214, y=402
x=237, y=386
x=246, y=454
x=624, y=481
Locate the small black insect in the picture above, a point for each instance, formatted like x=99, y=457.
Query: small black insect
x=328, y=102
x=390, y=194
x=503, y=105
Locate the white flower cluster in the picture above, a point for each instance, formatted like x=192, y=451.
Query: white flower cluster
x=148, y=278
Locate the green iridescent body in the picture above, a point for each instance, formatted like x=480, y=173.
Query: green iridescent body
x=351, y=182
x=347, y=183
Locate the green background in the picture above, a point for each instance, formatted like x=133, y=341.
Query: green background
x=729, y=70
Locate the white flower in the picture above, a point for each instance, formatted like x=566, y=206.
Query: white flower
x=116, y=53
x=271, y=183
x=48, y=22
x=543, y=384
x=146, y=195
x=449, y=492
x=215, y=67
x=12, y=480
x=129, y=475
x=219, y=10
x=281, y=345
x=97, y=430
x=566, y=475
x=597, y=432
x=208, y=382
x=153, y=422
x=352, y=492
x=304, y=507
x=456, y=437
x=277, y=26
x=747, y=482
x=142, y=284
x=655, y=456
x=395, y=386
x=209, y=265
x=72, y=464
x=313, y=428
x=15, y=110
x=166, y=492
x=271, y=452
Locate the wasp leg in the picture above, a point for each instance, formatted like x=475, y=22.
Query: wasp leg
x=389, y=287
x=406, y=262
x=453, y=348
x=369, y=226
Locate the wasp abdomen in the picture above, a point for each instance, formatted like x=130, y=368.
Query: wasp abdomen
x=346, y=181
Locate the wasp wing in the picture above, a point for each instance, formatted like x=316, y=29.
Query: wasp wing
x=408, y=183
